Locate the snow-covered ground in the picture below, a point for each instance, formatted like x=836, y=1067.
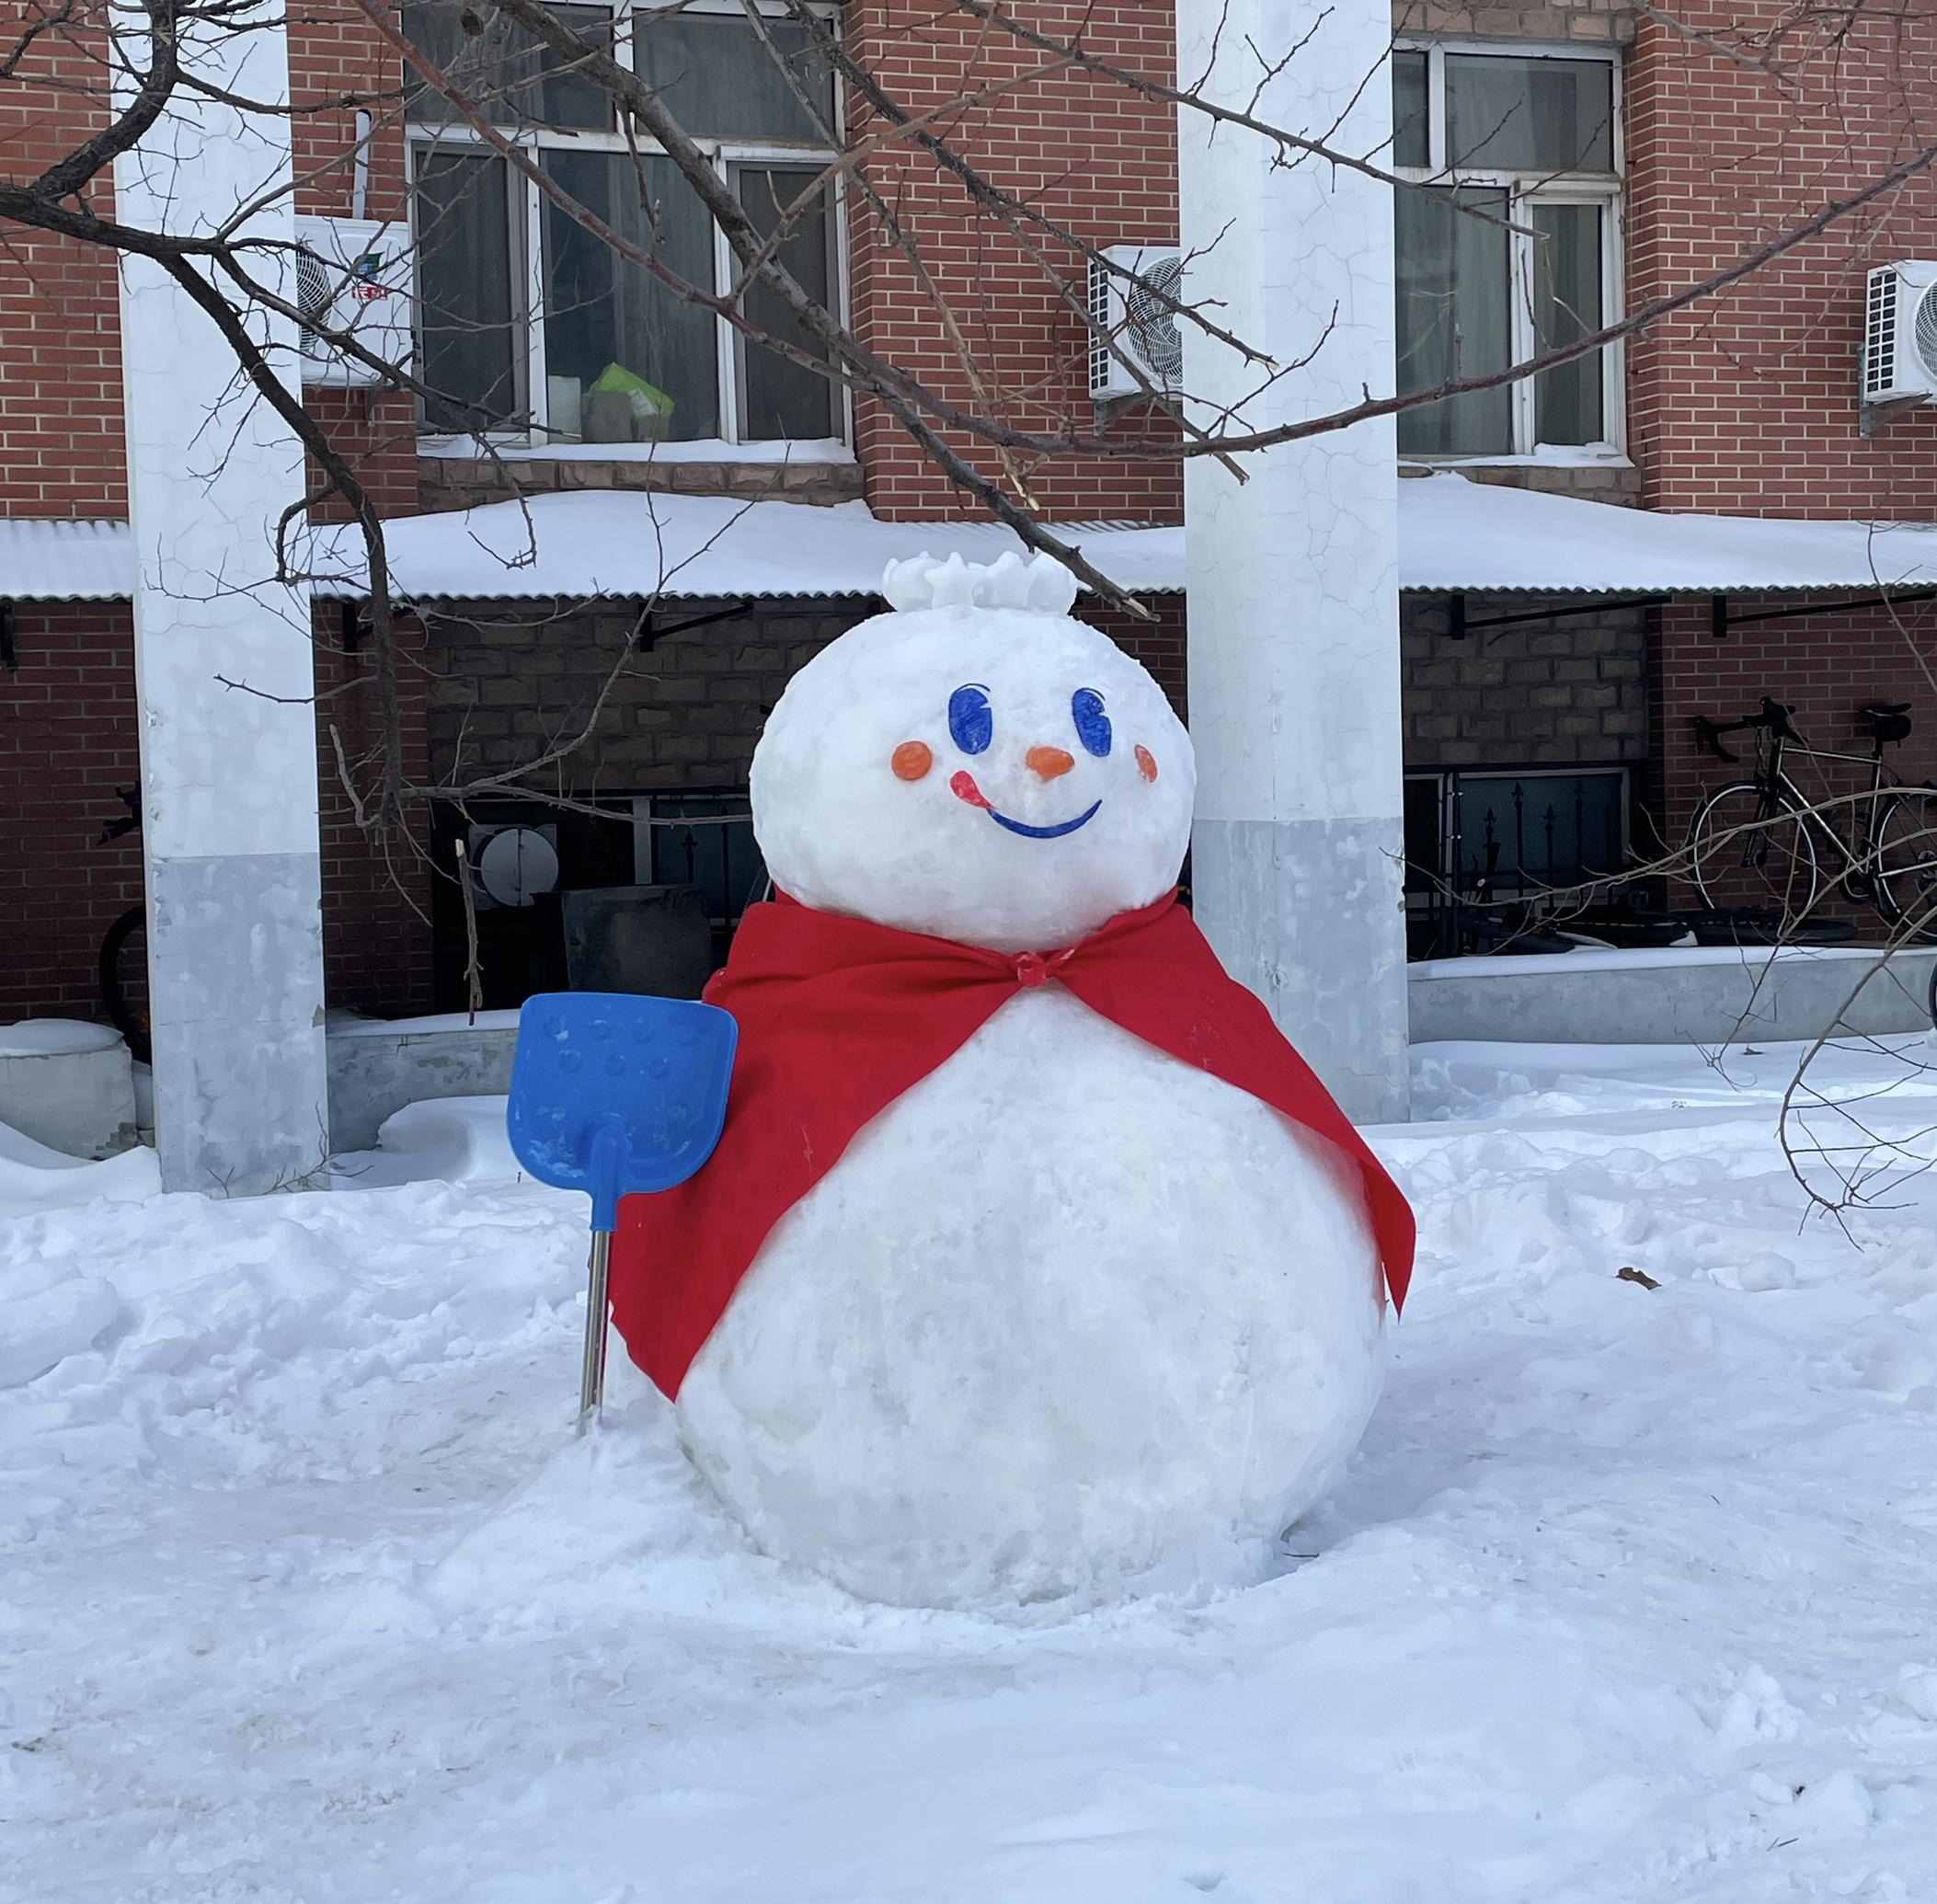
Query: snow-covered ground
x=309, y=1595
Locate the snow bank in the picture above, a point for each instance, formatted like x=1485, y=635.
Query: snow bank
x=232, y=1330
x=1520, y=1082
x=355, y=1025
x=33, y=1176
x=310, y=1591
x=1611, y=959
x=453, y=1139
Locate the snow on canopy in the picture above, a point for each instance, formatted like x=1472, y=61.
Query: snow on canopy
x=1458, y=534
x=1453, y=534
x=637, y=542
x=62, y=561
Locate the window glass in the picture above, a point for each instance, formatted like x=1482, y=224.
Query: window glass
x=720, y=82
x=1526, y=115
x=724, y=862
x=1410, y=145
x=1453, y=320
x=1566, y=307
x=479, y=64
x=1422, y=835
x=1538, y=829
x=563, y=96
x=467, y=336
x=501, y=67
x=779, y=398
x=602, y=310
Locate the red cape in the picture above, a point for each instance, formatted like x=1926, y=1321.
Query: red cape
x=838, y=1018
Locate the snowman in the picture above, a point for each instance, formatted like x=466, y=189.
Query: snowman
x=1033, y=1264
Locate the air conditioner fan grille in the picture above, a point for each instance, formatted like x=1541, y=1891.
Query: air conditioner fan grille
x=1154, y=332
x=1923, y=335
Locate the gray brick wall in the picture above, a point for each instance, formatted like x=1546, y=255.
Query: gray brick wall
x=1571, y=690
x=508, y=682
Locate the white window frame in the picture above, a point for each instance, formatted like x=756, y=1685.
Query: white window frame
x=1525, y=190
x=524, y=211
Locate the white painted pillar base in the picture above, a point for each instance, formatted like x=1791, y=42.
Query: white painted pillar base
x=229, y=794
x=1297, y=855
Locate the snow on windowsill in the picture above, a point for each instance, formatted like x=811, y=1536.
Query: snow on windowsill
x=705, y=449
x=1544, y=456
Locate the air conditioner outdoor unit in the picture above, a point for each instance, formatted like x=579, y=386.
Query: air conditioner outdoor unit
x=1900, y=332
x=1134, y=317
x=353, y=274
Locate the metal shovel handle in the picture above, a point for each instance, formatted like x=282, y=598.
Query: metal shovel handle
x=591, y=1380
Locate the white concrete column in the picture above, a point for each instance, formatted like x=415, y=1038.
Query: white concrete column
x=228, y=775
x=1294, y=608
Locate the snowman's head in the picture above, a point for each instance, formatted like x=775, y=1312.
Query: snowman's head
x=975, y=765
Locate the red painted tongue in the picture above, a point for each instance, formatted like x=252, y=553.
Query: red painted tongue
x=963, y=787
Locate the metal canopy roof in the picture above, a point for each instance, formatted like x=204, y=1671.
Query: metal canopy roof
x=45, y=561
x=1454, y=536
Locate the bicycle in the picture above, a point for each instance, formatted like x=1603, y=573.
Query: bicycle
x=1762, y=842
x=120, y=965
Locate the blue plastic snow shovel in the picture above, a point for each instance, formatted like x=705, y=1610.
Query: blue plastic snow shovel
x=616, y=1093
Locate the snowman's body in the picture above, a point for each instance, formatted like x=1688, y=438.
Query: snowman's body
x=1069, y=1316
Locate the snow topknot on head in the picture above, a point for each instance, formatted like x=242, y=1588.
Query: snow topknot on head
x=1041, y=583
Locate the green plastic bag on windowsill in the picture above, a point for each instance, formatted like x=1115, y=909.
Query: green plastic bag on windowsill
x=615, y=378
x=628, y=408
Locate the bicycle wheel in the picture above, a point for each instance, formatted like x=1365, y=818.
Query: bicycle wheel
x=124, y=975
x=1907, y=860
x=1743, y=851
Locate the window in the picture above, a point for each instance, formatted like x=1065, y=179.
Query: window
x=528, y=321
x=1510, y=249
x=1511, y=831
x=719, y=855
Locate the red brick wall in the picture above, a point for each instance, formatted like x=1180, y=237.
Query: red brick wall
x=61, y=448
x=62, y=453
x=338, y=63
x=67, y=742
x=1745, y=403
x=67, y=718
x=1088, y=154
x=1742, y=404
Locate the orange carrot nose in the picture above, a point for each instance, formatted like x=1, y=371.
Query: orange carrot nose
x=1051, y=762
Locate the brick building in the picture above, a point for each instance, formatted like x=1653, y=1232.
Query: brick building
x=1615, y=158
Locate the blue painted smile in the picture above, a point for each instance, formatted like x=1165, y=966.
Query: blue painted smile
x=1044, y=833
x=962, y=785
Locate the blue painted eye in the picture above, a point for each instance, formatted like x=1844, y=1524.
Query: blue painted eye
x=971, y=722
x=1093, y=725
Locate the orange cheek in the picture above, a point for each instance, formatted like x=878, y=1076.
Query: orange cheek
x=911, y=760
x=1146, y=763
